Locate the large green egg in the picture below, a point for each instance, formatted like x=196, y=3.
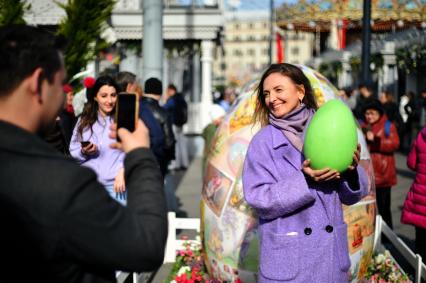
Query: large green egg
x=331, y=137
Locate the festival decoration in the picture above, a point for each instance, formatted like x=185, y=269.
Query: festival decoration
x=89, y=82
x=229, y=225
x=331, y=137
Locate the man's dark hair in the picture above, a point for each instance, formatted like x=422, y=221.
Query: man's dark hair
x=123, y=79
x=374, y=104
x=23, y=49
x=153, y=86
x=172, y=86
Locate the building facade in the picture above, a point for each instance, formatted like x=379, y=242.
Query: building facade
x=245, y=47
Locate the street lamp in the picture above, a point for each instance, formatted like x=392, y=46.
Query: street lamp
x=366, y=40
x=271, y=35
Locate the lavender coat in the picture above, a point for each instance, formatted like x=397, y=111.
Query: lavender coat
x=108, y=161
x=303, y=237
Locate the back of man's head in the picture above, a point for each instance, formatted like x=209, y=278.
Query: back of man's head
x=123, y=79
x=153, y=86
x=23, y=49
x=172, y=87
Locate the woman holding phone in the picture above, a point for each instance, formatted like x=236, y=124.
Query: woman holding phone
x=90, y=141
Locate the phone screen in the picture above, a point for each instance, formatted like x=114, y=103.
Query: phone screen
x=126, y=111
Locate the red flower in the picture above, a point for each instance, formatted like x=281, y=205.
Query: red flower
x=180, y=253
x=89, y=82
x=238, y=280
x=181, y=278
x=67, y=88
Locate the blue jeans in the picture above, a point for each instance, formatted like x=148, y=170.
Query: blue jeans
x=119, y=197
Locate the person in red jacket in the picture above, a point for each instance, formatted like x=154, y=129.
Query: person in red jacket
x=383, y=141
x=414, y=211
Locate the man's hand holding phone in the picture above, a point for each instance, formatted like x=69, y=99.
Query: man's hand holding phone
x=130, y=141
x=88, y=148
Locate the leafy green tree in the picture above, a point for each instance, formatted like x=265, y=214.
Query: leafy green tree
x=84, y=22
x=12, y=12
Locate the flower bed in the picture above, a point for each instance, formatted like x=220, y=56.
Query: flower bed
x=383, y=269
x=189, y=266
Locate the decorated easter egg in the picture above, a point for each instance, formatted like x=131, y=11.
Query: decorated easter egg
x=331, y=137
x=230, y=235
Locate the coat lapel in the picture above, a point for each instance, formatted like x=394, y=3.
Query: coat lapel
x=283, y=147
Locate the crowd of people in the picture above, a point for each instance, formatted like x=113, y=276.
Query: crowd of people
x=86, y=137
x=98, y=204
x=390, y=127
x=408, y=114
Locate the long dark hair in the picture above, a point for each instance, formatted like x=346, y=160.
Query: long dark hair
x=90, y=110
x=296, y=75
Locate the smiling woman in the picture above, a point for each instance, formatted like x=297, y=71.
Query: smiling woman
x=299, y=208
x=90, y=141
x=106, y=99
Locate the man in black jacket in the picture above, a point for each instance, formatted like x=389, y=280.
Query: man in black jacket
x=151, y=97
x=58, y=222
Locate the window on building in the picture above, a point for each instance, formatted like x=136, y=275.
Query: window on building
x=237, y=26
x=295, y=50
x=250, y=52
x=237, y=38
x=265, y=51
x=265, y=24
x=238, y=53
x=251, y=38
x=251, y=25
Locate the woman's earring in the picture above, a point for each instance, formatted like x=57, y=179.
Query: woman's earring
x=300, y=101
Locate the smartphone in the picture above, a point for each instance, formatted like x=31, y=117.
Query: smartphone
x=127, y=111
x=84, y=143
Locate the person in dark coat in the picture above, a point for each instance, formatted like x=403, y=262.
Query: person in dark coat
x=59, y=135
x=178, y=110
x=152, y=93
x=60, y=225
x=126, y=82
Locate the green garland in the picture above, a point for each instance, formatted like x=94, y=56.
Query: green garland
x=12, y=12
x=376, y=59
x=82, y=28
x=409, y=59
x=331, y=70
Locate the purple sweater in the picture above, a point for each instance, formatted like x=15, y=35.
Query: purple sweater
x=108, y=161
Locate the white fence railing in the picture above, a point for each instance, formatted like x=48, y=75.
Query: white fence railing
x=172, y=245
x=415, y=260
